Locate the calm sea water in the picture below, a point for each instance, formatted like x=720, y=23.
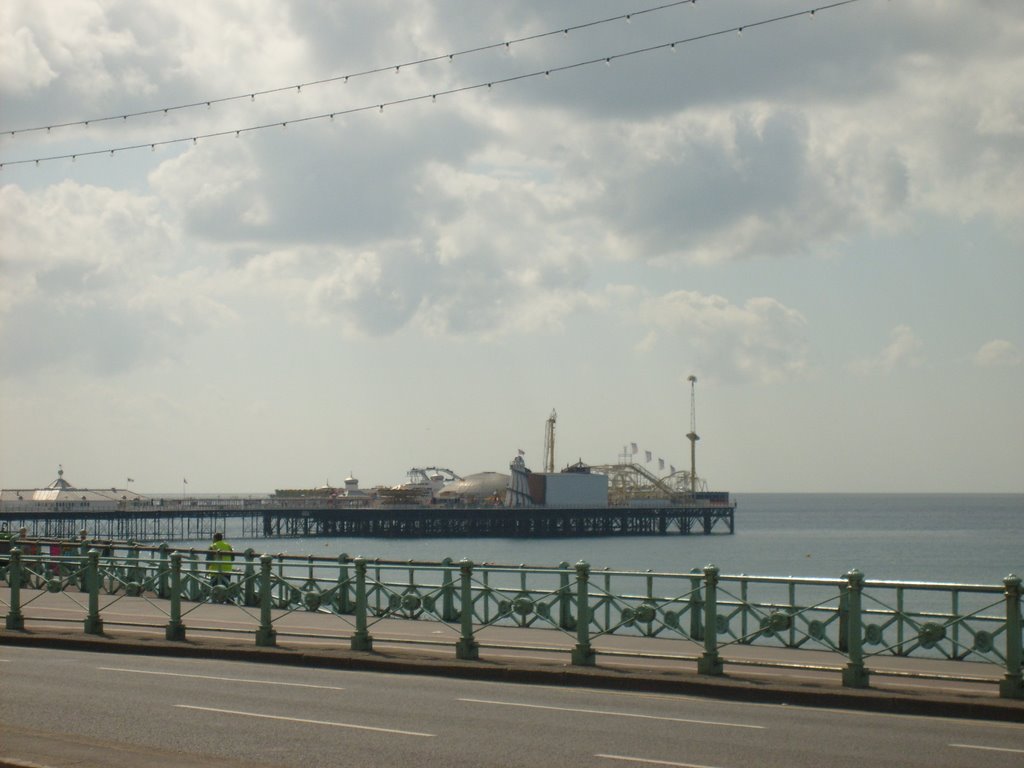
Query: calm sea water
x=969, y=538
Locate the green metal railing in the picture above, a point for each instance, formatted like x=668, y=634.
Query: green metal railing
x=854, y=619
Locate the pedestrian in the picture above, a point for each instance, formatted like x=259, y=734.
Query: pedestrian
x=220, y=560
x=26, y=547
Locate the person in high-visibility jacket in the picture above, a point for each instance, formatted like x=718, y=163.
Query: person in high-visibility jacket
x=220, y=560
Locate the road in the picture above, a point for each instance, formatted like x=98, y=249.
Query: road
x=70, y=708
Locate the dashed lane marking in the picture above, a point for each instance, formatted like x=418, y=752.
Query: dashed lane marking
x=612, y=714
x=224, y=679
x=647, y=761
x=303, y=720
x=988, y=749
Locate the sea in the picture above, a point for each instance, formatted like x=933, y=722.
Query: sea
x=948, y=538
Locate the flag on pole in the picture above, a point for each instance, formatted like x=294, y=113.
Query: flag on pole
x=671, y=469
x=184, y=481
x=632, y=447
x=661, y=463
x=131, y=479
x=648, y=457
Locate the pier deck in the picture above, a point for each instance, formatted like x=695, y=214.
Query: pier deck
x=261, y=518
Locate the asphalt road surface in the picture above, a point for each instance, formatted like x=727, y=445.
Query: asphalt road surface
x=69, y=708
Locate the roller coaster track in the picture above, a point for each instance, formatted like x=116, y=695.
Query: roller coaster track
x=634, y=481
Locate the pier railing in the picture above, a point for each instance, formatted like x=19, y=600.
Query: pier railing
x=853, y=620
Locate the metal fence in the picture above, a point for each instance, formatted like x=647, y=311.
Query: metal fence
x=854, y=619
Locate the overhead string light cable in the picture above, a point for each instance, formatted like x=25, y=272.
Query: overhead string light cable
x=380, y=106
x=251, y=95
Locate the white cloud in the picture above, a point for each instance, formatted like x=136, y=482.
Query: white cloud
x=761, y=341
x=998, y=353
x=94, y=277
x=903, y=350
x=22, y=65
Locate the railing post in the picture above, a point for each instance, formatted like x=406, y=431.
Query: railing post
x=467, y=647
x=162, y=585
x=1012, y=686
x=93, y=622
x=344, y=602
x=175, y=629
x=15, y=619
x=195, y=591
x=582, y=653
x=249, y=578
x=854, y=673
x=265, y=635
x=710, y=663
x=565, y=620
x=133, y=571
x=844, y=619
x=447, y=592
x=696, y=607
x=361, y=640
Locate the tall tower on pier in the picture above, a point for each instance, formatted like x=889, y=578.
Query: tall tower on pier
x=692, y=436
x=549, y=442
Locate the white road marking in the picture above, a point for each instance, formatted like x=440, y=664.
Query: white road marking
x=605, y=692
x=645, y=761
x=225, y=679
x=988, y=749
x=302, y=720
x=613, y=714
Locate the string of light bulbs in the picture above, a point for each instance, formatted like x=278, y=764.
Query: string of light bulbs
x=297, y=87
x=433, y=96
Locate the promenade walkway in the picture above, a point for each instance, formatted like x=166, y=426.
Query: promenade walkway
x=796, y=677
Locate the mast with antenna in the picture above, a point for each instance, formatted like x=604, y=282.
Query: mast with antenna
x=549, y=442
x=692, y=436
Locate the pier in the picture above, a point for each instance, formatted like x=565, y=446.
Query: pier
x=182, y=520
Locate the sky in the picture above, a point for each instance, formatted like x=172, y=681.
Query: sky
x=517, y=207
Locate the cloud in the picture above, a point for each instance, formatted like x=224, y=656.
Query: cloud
x=499, y=211
x=94, y=278
x=902, y=350
x=761, y=341
x=20, y=56
x=998, y=353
